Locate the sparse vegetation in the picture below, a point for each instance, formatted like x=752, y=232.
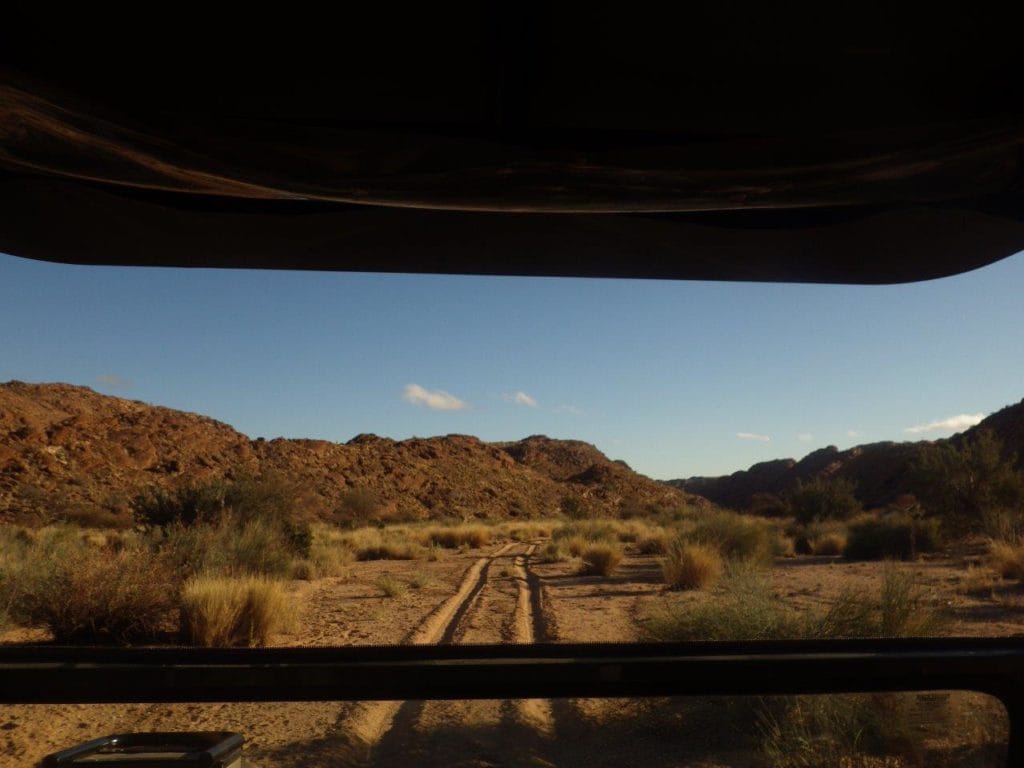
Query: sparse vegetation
x=965, y=484
x=691, y=566
x=455, y=536
x=1007, y=559
x=358, y=506
x=746, y=609
x=895, y=535
x=83, y=594
x=391, y=586
x=601, y=559
x=737, y=537
x=233, y=611
x=819, y=499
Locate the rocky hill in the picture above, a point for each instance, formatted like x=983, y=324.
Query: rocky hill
x=67, y=451
x=879, y=470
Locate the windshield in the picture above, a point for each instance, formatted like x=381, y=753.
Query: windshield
x=227, y=458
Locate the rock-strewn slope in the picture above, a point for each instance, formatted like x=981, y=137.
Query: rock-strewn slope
x=66, y=447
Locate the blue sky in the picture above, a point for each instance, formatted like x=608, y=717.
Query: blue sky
x=676, y=378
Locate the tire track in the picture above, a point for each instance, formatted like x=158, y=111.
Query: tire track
x=528, y=627
x=366, y=723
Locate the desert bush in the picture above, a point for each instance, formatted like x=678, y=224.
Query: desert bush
x=962, y=483
x=326, y=559
x=653, y=544
x=601, y=559
x=418, y=580
x=390, y=585
x=979, y=582
x=91, y=516
x=746, y=609
x=768, y=505
x=589, y=530
x=357, y=506
x=1007, y=559
x=229, y=547
x=836, y=730
x=382, y=544
x=84, y=595
x=233, y=611
x=736, y=536
x=573, y=507
x=822, y=499
x=1003, y=524
x=453, y=537
x=553, y=552
x=894, y=535
x=829, y=544
x=528, y=531
x=690, y=566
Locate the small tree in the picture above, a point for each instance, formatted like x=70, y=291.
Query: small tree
x=963, y=485
x=830, y=498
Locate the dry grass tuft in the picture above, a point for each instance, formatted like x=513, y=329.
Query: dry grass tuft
x=219, y=611
x=601, y=559
x=391, y=586
x=1007, y=559
x=691, y=566
x=829, y=544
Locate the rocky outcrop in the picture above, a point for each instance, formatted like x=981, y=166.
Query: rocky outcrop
x=68, y=450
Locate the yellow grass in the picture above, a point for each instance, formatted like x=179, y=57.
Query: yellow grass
x=225, y=611
x=1007, y=559
x=601, y=559
x=829, y=544
x=691, y=566
x=391, y=586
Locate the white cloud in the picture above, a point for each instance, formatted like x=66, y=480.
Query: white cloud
x=520, y=398
x=952, y=424
x=113, y=382
x=852, y=433
x=752, y=436
x=805, y=437
x=572, y=410
x=435, y=399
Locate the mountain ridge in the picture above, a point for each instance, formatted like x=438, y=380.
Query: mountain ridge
x=879, y=470
x=65, y=447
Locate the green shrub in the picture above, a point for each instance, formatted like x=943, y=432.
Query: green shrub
x=601, y=559
x=737, y=537
x=574, y=507
x=892, y=536
x=822, y=499
x=691, y=566
x=227, y=612
x=962, y=483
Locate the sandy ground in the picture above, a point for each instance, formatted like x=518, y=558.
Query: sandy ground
x=502, y=594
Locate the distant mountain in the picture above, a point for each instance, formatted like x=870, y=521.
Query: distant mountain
x=65, y=447
x=879, y=470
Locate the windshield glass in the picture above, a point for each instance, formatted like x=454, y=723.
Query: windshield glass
x=255, y=458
